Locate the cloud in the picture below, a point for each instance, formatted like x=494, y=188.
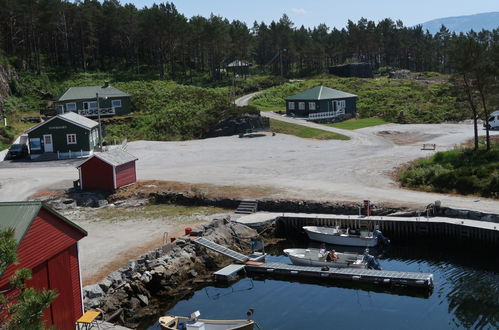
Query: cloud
x=300, y=11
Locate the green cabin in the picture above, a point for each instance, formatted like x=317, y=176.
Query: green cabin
x=86, y=100
x=68, y=135
x=322, y=102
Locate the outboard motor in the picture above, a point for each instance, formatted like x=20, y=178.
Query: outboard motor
x=379, y=235
x=372, y=262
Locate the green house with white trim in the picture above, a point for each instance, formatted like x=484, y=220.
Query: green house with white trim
x=86, y=100
x=322, y=102
x=68, y=136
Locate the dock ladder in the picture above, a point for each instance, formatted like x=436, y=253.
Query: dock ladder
x=221, y=249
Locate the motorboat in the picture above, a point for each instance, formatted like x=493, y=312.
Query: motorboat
x=319, y=258
x=340, y=236
x=195, y=323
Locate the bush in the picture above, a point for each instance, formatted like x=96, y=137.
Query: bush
x=464, y=171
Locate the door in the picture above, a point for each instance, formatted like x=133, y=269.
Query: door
x=47, y=142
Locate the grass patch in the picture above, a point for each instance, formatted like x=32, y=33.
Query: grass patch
x=156, y=211
x=463, y=171
x=359, y=123
x=303, y=131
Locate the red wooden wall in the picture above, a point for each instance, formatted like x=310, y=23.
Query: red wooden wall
x=125, y=174
x=97, y=174
x=49, y=249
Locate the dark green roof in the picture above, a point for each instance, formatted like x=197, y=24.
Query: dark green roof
x=20, y=215
x=321, y=93
x=89, y=93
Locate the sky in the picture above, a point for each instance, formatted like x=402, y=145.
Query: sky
x=334, y=13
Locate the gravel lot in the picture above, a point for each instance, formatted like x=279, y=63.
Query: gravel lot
x=351, y=170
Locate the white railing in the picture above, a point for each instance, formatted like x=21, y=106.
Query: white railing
x=325, y=115
x=93, y=112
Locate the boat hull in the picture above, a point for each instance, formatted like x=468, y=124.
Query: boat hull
x=315, y=258
x=334, y=236
x=172, y=322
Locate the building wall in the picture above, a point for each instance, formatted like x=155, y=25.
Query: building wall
x=49, y=249
x=97, y=174
x=58, y=128
x=126, y=105
x=125, y=174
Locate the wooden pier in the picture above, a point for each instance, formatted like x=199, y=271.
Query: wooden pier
x=386, y=277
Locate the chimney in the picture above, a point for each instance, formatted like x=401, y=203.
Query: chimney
x=106, y=84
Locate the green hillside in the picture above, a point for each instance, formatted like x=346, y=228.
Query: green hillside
x=393, y=100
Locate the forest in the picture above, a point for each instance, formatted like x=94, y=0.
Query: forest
x=66, y=36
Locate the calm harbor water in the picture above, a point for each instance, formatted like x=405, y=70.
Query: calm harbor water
x=466, y=294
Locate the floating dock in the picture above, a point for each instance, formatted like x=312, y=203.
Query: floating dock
x=387, y=277
x=255, y=265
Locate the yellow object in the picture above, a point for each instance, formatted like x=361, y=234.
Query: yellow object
x=88, y=320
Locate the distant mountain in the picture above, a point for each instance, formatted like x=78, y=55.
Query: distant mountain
x=477, y=22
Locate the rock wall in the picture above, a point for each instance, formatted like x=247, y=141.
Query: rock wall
x=273, y=205
x=236, y=125
x=161, y=277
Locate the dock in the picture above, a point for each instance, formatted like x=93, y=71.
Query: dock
x=482, y=232
x=386, y=277
x=256, y=265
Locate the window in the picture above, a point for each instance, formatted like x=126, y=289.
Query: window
x=35, y=144
x=71, y=106
x=116, y=103
x=301, y=105
x=90, y=105
x=71, y=138
x=311, y=105
x=291, y=105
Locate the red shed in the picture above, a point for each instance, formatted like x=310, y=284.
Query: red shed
x=108, y=170
x=48, y=245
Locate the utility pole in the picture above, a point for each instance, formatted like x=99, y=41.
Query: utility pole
x=98, y=117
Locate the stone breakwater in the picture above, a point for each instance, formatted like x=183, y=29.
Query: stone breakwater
x=143, y=288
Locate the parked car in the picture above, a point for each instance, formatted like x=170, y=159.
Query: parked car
x=493, y=120
x=17, y=151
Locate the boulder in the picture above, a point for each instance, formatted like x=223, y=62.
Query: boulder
x=93, y=291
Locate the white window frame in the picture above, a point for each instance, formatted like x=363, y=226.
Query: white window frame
x=311, y=106
x=301, y=105
x=71, y=106
x=291, y=105
x=118, y=105
x=69, y=138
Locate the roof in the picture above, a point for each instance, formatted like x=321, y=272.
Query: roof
x=20, y=215
x=114, y=157
x=90, y=92
x=238, y=63
x=70, y=117
x=321, y=93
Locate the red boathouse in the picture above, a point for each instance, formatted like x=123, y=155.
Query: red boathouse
x=107, y=170
x=47, y=243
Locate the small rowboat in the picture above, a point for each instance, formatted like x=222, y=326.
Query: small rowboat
x=318, y=258
x=335, y=235
x=193, y=323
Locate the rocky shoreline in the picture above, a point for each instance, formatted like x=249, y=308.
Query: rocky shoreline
x=140, y=290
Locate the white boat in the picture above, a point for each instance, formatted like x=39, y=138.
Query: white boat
x=319, y=258
x=338, y=236
x=194, y=323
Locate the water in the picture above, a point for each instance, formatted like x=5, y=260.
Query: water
x=466, y=295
